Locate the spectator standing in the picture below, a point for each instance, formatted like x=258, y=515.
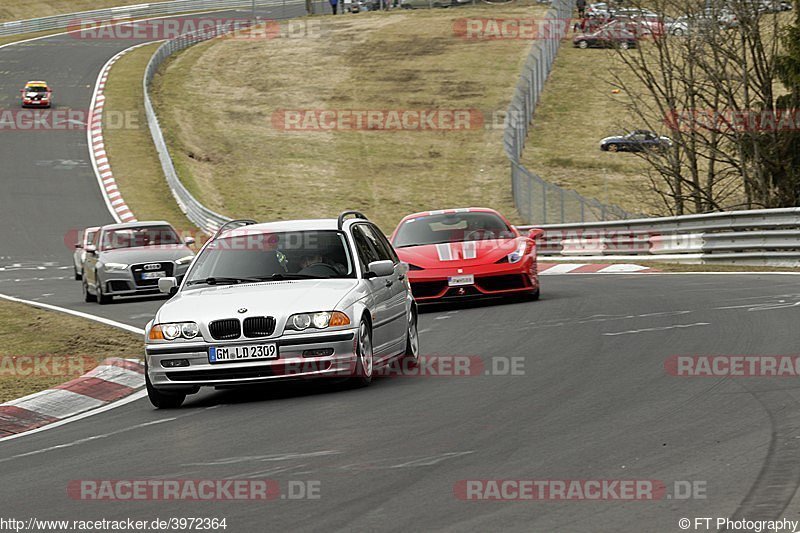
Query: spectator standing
x=581, y=5
x=335, y=4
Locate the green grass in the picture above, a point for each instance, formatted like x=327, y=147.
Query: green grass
x=216, y=101
x=129, y=146
x=28, y=332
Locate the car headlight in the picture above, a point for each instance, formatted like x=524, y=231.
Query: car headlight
x=174, y=330
x=184, y=260
x=110, y=267
x=319, y=320
x=521, y=251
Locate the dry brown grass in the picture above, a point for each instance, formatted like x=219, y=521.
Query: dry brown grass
x=216, y=102
x=131, y=153
x=26, y=331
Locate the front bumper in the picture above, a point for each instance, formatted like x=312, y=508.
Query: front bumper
x=127, y=283
x=289, y=365
x=496, y=279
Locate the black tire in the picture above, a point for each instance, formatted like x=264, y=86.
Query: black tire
x=411, y=355
x=583, y=44
x=624, y=45
x=78, y=275
x=102, y=299
x=365, y=364
x=613, y=148
x=533, y=296
x=160, y=399
x=88, y=297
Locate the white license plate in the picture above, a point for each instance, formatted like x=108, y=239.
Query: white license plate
x=153, y=275
x=456, y=281
x=242, y=353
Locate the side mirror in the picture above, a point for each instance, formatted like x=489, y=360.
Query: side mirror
x=168, y=285
x=91, y=249
x=189, y=241
x=535, y=234
x=380, y=269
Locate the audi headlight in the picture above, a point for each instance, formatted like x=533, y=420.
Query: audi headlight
x=174, y=330
x=111, y=267
x=184, y=260
x=517, y=255
x=319, y=320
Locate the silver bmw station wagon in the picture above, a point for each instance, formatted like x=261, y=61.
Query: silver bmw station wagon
x=282, y=300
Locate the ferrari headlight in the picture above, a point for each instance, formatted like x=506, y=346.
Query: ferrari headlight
x=111, y=267
x=184, y=260
x=319, y=320
x=174, y=330
x=517, y=255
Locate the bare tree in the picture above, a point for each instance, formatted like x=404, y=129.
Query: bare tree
x=712, y=88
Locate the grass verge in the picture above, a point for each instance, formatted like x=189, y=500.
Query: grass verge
x=130, y=149
x=216, y=102
x=576, y=110
x=65, y=346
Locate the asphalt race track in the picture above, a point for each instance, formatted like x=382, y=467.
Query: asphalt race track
x=591, y=398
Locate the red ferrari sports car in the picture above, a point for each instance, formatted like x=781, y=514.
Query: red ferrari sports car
x=460, y=253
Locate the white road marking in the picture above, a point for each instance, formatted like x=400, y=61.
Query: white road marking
x=768, y=306
x=661, y=328
x=72, y=312
x=264, y=458
x=129, y=399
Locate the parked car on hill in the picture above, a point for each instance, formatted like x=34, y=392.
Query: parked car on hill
x=635, y=141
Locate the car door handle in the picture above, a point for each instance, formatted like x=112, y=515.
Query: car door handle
x=401, y=277
x=389, y=283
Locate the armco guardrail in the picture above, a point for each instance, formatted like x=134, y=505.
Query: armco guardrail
x=122, y=13
x=757, y=237
x=206, y=219
x=538, y=201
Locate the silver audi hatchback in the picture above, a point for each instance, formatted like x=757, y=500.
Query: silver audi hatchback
x=280, y=301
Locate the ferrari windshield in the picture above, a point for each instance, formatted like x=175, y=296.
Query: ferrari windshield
x=452, y=227
x=139, y=236
x=245, y=256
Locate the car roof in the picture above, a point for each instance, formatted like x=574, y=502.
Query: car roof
x=451, y=211
x=133, y=225
x=320, y=224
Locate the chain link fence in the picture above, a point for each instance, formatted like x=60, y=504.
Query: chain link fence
x=538, y=201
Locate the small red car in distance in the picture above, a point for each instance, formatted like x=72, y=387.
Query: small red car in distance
x=462, y=253
x=37, y=94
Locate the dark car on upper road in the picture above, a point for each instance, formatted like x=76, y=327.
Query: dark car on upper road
x=612, y=35
x=635, y=141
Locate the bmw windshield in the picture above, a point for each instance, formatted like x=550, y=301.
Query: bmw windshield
x=245, y=256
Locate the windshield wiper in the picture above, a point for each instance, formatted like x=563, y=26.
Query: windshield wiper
x=422, y=244
x=222, y=280
x=280, y=277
